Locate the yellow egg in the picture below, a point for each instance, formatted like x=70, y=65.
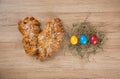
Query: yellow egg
x=74, y=40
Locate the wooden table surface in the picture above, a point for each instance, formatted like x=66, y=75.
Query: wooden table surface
x=16, y=64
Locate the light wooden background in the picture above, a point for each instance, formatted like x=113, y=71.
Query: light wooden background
x=15, y=64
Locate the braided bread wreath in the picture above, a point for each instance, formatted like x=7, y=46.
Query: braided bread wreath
x=44, y=42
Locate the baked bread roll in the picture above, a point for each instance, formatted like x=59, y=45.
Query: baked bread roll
x=30, y=28
x=49, y=40
x=42, y=43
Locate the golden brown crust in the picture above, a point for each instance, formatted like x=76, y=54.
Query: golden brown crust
x=30, y=28
x=49, y=40
x=29, y=24
x=43, y=43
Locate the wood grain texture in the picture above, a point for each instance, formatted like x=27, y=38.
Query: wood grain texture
x=15, y=64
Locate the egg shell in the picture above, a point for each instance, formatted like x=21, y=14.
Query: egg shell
x=73, y=40
x=83, y=39
x=93, y=39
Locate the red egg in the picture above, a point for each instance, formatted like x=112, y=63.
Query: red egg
x=93, y=39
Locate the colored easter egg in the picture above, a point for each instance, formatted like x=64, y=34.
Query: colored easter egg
x=83, y=39
x=93, y=39
x=73, y=40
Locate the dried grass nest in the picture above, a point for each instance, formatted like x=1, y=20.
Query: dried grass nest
x=84, y=50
